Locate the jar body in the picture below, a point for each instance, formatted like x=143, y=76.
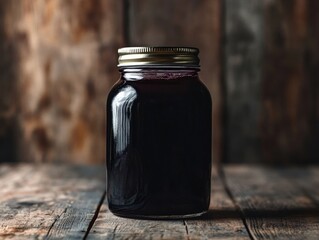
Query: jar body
x=159, y=144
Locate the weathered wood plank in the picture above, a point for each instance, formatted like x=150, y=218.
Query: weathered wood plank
x=58, y=63
x=305, y=178
x=290, y=87
x=243, y=45
x=271, y=74
x=222, y=222
x=273, y=206
x=48, y=201
x=189, y=23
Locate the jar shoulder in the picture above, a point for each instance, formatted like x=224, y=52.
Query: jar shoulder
x=205, y=92
x=121, y=92
x=159, y=89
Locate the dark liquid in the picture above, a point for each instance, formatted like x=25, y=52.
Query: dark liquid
x=159, y=147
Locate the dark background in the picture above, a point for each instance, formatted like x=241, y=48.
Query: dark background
x=260, y=61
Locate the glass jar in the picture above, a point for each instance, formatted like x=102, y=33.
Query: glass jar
x=159, y=135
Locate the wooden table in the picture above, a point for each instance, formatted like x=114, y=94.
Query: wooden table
x=248, y=202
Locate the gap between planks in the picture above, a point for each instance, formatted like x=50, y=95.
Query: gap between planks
x=96, y=213
x=222, y=177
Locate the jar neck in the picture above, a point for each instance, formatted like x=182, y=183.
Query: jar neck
x=135, y=74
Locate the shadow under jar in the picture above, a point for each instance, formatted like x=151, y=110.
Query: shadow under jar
x=159, y=118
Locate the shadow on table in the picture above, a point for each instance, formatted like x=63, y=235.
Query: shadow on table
x=260, y=213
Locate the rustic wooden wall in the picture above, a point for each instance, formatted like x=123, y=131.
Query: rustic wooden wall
x=290, y=88
x=271, y=70
x=243, y=40
x=271, y=81
x=260, y=61
x=66, y=64
x=59, y=62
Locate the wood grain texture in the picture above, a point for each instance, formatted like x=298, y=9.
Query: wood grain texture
x=273, y=206
x=290, y=88
x=221, y=222
x=108, y=226
x=306, y=179
x=48, y=201
x=54, y=202
x=189, y=23
x=64, y=55
x=243, y=30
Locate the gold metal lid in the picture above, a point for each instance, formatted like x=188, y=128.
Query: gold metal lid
x=158, y=56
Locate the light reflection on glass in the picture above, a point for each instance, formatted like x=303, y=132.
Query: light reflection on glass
x=122, y=107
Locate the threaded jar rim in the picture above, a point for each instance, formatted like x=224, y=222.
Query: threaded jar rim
x=158, y=56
